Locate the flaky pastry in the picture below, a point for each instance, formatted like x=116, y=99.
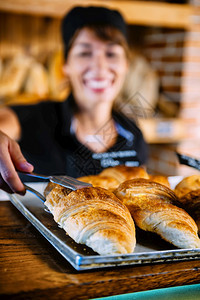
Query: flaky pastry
x=122, y=173
x=105, y=182
x=191, y=203
x=152, y=208
x=160, y=179
x=94, y=217
x=188, y=184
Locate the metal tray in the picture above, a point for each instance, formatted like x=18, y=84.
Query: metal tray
x=149, y=248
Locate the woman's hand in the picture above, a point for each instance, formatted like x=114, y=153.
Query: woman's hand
x=11, y=159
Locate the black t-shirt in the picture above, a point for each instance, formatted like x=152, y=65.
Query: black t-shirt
x=48, y=141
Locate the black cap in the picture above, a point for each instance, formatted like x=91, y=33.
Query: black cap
x=81, y=16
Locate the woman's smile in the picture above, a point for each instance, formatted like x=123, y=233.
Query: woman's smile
x=98, y=85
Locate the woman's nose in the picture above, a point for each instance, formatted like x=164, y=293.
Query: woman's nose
x=99, y=61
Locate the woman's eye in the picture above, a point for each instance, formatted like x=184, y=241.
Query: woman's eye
x=85, y=54
x=111, y=54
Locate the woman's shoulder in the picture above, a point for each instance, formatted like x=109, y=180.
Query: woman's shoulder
x=33, y=106
x=47, y=107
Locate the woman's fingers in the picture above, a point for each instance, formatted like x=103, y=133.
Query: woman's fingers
x=7, y=169
x=6, y=188
x=11, y=159
x=18, y=159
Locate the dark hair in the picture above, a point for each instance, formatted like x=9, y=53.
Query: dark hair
x=93, y=17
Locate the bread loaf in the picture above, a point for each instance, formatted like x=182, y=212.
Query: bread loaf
x=152, y=208
x=14, y=74
x=58, y=83
x=37, y=81
x=94, y=217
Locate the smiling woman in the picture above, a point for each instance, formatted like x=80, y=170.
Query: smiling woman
x=64, y=137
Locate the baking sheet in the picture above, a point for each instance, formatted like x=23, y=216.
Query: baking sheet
x=150, y=248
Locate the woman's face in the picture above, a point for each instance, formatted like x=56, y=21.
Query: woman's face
x=96, y=69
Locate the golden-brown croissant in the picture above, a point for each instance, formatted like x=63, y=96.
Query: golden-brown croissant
x=191, y=203
x=188, y=184
x=122, y=173
x=152, y=208
x=94, y=217
x=160, y=179
x=105, y=182
x=59, y=192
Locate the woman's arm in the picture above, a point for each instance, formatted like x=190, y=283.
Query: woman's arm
x=11, y=158
x=9, y=123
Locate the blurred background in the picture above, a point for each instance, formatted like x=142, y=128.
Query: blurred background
x=162, y=90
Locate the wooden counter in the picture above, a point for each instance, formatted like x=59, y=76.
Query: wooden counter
x=30, y=268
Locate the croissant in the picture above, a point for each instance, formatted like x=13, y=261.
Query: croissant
x=160, y=179
x=50, y=186
x=191, y=203
x=153, y=208
x=94, y=217
x=122, y=173
x=187, y=185
x=105, y=182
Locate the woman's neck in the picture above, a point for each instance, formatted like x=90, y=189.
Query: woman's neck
x=94, y=119
x=95, y=128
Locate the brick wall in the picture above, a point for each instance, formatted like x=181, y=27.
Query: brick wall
x=190, y=88
x=164, y=49
x=175, y=55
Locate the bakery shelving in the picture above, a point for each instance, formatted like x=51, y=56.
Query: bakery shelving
x=135, y=12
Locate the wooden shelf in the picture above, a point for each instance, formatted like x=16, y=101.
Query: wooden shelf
x=162, y=130
x=135, y=12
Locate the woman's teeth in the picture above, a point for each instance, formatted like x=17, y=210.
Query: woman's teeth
x=98, y=84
